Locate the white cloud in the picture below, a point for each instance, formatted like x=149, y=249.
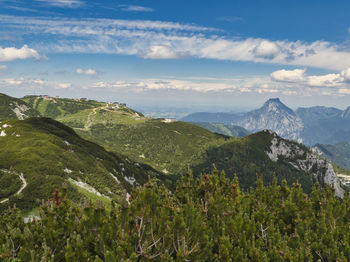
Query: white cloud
x=344, y=91
x=63, y=3
x=238, y=85
x=158, y=39
x=12, y=53
x=136, y=8
x=266, y=49
x=345, y=74
x=329, y=80
x=24, y=83
x=88, y=72
x=161, y=52
x=298, y=76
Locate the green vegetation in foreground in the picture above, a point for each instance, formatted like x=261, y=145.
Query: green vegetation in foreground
x=9, y=184
x=204, y=219
x=13, y=108
x=227, y=130
x=107, y=202
x=49, y=153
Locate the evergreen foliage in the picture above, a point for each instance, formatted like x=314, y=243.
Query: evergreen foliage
x=205, y=219
x=246, y=157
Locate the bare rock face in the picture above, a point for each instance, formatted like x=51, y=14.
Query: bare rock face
x=20, y=110
x=276, y=116
x=304, y=160
x=14, y=108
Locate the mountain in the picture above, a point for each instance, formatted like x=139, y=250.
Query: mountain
x=55, y=107
x=312, y=125
x=268, y=155
x=165, y=144
x=312, y=115
x=276, y=116
x=13, y=108
x=39, y=155
x=338, y=153
x=171, y=147
x=332, y=130
x=225, y=118
x=227, y=130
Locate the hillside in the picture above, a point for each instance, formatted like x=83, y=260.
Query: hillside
x=171, y=147
x=267, y=154
x=338, y=153
x=312, y=115
x=42, y=154
x=13, y=108
x=332, y=130
x=165, y=144
x=56, y=107
x=227, y=130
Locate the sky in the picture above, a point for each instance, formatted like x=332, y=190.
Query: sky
x=184, y=55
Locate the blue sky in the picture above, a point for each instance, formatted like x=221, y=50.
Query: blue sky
x=198, y=55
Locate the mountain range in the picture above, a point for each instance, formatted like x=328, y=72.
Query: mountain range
x=319, y=124
x=100, y=151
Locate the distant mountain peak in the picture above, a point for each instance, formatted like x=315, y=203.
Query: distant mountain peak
x=276, y=116
x=275, y=105
x=273, y=100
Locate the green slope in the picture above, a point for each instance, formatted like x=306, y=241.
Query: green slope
x=49, y=154
x=166, y=145
x=56, y=107
x=172, y=147
x=13, y=108
x=247, y=158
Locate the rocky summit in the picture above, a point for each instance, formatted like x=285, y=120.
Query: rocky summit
x=276, y=116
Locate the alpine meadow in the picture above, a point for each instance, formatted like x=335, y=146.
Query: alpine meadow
x=174, y=131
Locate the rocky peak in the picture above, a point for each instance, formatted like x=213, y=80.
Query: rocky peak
x=304, y=160
x=276, y=106
x=276, y=116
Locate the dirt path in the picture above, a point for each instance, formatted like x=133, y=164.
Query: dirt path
x=24, y=181
x=89, y=121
